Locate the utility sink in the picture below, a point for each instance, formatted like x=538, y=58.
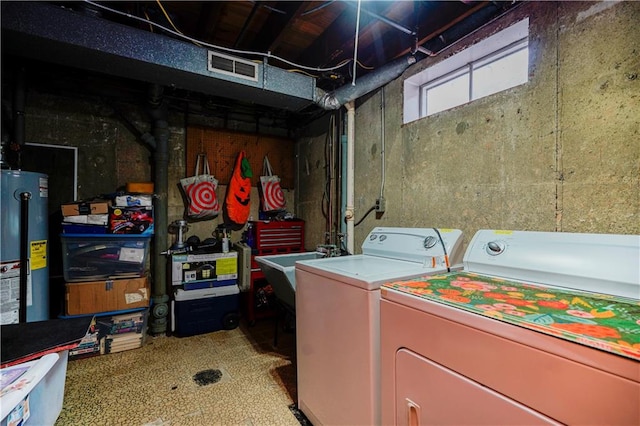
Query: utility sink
x=280, y=272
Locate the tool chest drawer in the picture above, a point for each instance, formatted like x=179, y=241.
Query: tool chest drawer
x=279, y=236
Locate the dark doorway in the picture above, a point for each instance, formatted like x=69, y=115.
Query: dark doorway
x=60, y=164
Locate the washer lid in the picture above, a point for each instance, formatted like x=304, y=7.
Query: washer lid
x=367, y=272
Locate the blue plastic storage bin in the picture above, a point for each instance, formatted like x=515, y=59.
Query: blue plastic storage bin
x=92, y=257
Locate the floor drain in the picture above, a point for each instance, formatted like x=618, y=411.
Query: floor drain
x=207, y=377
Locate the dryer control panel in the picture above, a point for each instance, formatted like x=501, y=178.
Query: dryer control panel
x=601, y=263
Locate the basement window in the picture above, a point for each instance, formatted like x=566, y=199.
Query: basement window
x=496, y=63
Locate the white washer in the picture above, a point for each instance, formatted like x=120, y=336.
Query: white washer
x=338, y=321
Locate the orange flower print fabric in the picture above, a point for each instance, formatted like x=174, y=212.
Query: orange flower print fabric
x=601, y=321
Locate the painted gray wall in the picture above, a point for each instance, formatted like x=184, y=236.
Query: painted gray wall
x=560, y=153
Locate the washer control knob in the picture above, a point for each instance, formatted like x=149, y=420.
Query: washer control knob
x=430, y=241
x=494, y=248
x=383, y=237
x=373, y=237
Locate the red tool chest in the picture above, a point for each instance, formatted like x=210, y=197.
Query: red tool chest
x=276, y=237
x=269, y=237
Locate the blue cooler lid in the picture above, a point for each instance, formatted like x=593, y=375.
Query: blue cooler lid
x=203, y=293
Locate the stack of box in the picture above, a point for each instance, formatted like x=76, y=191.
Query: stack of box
x=206, y=294
x=105, y=276
x=86, y=217
x=105, y=247
x=126, y=214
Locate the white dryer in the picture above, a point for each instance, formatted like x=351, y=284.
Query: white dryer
x=538, y=328
x=337, y=318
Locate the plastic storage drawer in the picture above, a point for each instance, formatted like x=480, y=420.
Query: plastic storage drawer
x=94, y=257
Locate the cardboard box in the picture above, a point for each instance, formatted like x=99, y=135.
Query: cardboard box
x=85, y=207
x=133, y=200
x=105, y=296
x=202, y=268
x=131, y=220
x=88, y=219
x=140, y=187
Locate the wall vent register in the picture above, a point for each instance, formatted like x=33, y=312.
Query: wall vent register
x=233, y=66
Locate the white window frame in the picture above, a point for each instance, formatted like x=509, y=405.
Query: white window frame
x=495, y=47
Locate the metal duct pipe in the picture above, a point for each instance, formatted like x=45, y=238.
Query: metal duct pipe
x=160, y=298
x=364, y=85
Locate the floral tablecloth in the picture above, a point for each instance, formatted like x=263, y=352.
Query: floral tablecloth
x=605, y=322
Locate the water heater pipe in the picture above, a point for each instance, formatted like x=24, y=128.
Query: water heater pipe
x=349, y=214
x=25, y=197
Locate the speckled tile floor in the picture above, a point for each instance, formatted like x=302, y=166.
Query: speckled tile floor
x=157, y=384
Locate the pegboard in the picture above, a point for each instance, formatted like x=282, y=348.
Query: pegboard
x=223, y=146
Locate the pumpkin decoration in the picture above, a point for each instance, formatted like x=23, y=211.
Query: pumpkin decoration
x=238, y=200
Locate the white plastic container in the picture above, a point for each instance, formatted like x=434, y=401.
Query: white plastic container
x=42, y=386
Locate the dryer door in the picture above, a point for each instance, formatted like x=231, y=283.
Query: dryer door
x=430, y=394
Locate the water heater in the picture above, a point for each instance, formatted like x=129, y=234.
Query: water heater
x=24, y=246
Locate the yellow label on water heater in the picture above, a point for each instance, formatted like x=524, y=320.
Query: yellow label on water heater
x=38, y=254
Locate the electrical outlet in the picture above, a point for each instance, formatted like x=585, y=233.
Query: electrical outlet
x=380, y=205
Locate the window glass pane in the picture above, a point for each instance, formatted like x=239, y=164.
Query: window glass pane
x=496, y=63
x=508, y=71
x=447, y=95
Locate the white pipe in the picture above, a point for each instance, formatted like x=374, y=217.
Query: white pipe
x=355, y=49
x=349, y=214
x=382, y=141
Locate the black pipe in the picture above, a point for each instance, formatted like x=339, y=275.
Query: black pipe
x=24, y=254
x=18, y=105
x=160, y=298
x=18, y=101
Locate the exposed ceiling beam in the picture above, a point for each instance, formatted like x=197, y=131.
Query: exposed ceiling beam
x=209, y=19
x=246, y=24
x=275, y=24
